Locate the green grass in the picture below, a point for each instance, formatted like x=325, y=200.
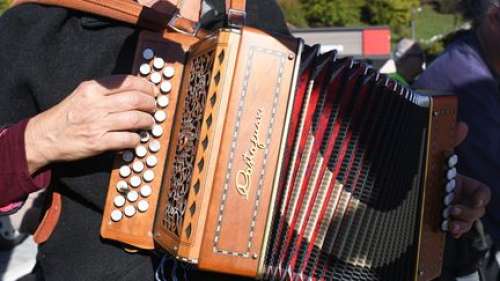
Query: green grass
x=430, y=23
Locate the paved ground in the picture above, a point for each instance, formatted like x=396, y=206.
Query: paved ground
x=19, y=262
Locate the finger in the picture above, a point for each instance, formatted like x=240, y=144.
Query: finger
x=461, y=133
x=128, y=121
x=471, y=192
x=465, y=213
x=459, y=228
x=119, y=141
x=119, y=83
x=130, y=100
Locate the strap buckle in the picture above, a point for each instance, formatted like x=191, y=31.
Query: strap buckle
x=184, y=26
x=236, y=18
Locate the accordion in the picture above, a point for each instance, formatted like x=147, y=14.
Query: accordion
x=273, y=161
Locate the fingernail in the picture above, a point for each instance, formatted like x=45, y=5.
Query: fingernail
x=455, y=229
x=456, y=211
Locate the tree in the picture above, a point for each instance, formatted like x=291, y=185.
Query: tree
x=333, y=12
x=294, y=13
x=395, y=13
x=3, y=5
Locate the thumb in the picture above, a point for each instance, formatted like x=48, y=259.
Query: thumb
x=461, y=133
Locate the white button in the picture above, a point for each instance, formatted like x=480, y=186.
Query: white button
x=129, y=211
x=125, y=171
x=138, y=166
x=148, y=54
x=446, y=212
x=450, y=186
x=444, y=226
x=132, y=196
x=158, y=63
x=148, y=176
x=169, y=72
x=453, y=161
x=135, y=181
x=145, y=69
x=143, y=206
x=146, y=191
x=449, y=198
x=122, y=186
x=144, y=136
x=157, y=131
x=119, y=201
x=116, y=215
x=451, y=174
x=154, y=146
x=166, y=87
x=141, y=151
x=155, y=78
x=162, y=101
x=128, y=156
x=160, y=116
x=151, y=161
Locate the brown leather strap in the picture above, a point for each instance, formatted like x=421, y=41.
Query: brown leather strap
x=49, y=221
x=157, y=17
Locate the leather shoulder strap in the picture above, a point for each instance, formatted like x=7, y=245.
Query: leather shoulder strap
x=236, y=12
x=155, y=17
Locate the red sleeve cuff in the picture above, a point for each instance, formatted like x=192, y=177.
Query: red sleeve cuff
x=15, y=180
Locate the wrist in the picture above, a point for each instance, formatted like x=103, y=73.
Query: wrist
x=36, y=146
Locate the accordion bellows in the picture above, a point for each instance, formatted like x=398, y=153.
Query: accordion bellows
x=281, y=163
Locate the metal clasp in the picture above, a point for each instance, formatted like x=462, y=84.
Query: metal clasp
x=174, y=23
x=236, y=18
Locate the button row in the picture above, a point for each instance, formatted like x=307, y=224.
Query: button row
x=451, y=183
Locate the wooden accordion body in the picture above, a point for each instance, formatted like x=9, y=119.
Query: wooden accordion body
x=278, y=162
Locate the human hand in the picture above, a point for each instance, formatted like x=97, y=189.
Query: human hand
x=471, y=198
x=98, y=116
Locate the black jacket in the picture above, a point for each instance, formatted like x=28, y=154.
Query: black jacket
x=45, y=53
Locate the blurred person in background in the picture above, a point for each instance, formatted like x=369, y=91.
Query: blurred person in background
x=470, y=68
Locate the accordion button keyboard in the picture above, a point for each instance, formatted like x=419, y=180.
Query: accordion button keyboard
x=451, y=174
x=151, y=161
x=160, y=116
x=162, y=101
x=448, y=199
x=148, y=54
x=119, y=201
x=143, y=206
x=148, y=176
x=446, y=213
x=132, y=196
x=444, y=226
x=144, y=138
x=146, y=191
x=155, y=78
x=138, y=166
x=145, y=69
x=453, y=161
x=141, y=151
x=116, y=215
x=154, y=146
x=129, y=211
x=158, y=63
x=125, y=171
x=450, y=186
x=135, y=181
x=128, y=156
x=122, y=186
x=168, y=72
x=157, y=131
x=166, y=87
